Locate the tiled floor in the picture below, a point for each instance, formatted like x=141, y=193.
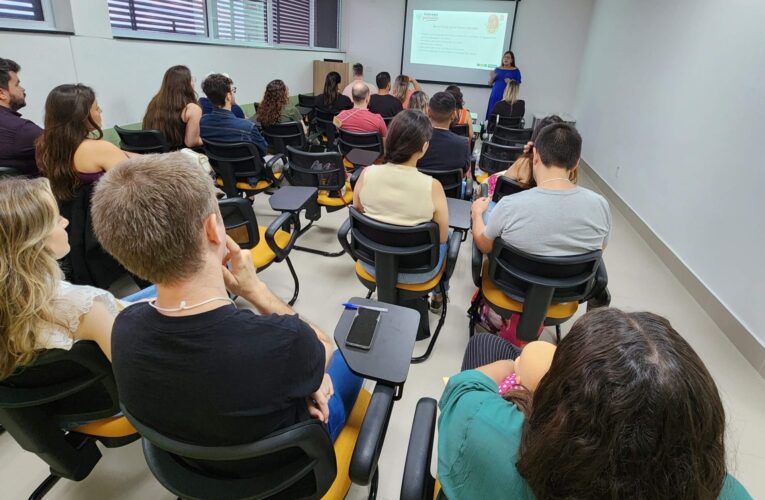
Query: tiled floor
x=638, y=281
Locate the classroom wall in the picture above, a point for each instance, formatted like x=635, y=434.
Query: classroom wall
x=127, y=73
x=670, y=107
x=549, y=42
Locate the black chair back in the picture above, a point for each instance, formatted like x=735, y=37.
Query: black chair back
x=281, y=135
x=370, y=141
x=460, y=129
x=142, y=141
x=325, y=124
x=240, y=221
x=235, y=162
x=185, y=469
x=511, y=136
x=497, y=157
x=324, y=171
x=387, y=120
x=505, y=187
x=10, y=172
x=306, y=101
x=60, y=387
x=451, y=180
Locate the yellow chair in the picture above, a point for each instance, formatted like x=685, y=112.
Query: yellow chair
x=234, y=163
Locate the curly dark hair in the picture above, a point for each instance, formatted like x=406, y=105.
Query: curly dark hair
x=274, y=99
x=627, y=410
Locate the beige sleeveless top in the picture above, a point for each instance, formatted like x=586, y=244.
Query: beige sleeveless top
x=397, y=194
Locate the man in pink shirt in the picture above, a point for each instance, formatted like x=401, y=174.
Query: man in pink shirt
x=358, y=76
x=359, y=118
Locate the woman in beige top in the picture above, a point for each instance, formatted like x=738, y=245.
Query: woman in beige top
x=397, y=193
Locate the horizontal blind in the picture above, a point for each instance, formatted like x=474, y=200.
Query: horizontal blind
x=292, y=22
x=242, y=20
x=183, y=17
x=31, y=10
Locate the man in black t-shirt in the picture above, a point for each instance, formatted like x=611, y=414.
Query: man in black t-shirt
x=189, y=363
x=447, y=150
x=383, y=103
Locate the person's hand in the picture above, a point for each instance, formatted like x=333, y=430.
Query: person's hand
x=508, y=80
x=318, y=402
x=480, y=205
x=527, y=147
x=242, y=278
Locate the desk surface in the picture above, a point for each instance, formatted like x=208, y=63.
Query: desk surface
x=362, y=156
x=459, y=213
x=292, y=198
x=392, y=346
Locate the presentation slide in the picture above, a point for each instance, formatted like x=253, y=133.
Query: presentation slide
x=473, y=40
x=453, y=41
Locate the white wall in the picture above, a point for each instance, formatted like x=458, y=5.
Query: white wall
x=127, y=73
x=549, y=42
x=670, y=105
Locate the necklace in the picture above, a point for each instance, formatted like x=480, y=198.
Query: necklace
x=183, y=307
x=555, y=179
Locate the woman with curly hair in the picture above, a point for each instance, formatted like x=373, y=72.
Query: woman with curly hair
x=463, y=114
x=174, y=110
x=626, y=410
x=275, y=106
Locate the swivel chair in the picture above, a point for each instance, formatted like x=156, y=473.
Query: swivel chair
x=511, y=136
x=142, y=141
x=324, y=123
x=281, y=135
x=452, y=182
x=369, y=141
x=236, y=162
x=496, y=158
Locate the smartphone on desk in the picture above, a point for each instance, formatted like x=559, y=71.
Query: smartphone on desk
x=363, y=329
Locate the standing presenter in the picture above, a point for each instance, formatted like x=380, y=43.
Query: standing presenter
x=499, y=78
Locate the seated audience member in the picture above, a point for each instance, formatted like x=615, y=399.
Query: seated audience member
x=275, y=106
x=17, y=135
x=38, y=309
x=221, y=125
x=626, y=410
x=71, y=151
x=174, y=110
x=396, y=193
x=360, y=119
x=419, y=101
x=556, y=218
x=207, y=106
x=382, y=102
x=332, y=99
x=447, y=150
x=510, y=106
x=402, y=91
x=358, y=76
x=190, y=364
x=462, y=116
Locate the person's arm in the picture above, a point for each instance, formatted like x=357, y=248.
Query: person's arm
x=258, y=140
x=441, y=211
x=96, y=325
x=470, y=125
x=105, y=154
x=483, y=243
x=492, y=76
x=357, y=193
x=415, y=83
x=498, y=371
x=193, y=113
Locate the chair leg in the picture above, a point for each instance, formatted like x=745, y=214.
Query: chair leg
x=295, y=279
x=369, y=294
x=44, y=487
x=432, y=343
x=557, y=334
x=2, y=429
x=319, y=252
x=373, y=484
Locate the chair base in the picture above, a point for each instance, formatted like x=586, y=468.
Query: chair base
x=434, y=337
x=314, y=250
x=295, y=280
x=44, y=487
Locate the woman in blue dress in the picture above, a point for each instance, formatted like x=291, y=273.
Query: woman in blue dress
x=499, y=78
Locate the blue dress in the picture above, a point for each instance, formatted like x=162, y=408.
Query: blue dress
x=498, y=89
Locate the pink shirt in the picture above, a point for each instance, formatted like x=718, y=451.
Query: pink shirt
x=362, y=120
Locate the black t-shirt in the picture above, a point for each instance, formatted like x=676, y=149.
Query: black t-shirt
x=222, y=377
x=446, y=151
x=385, y=105
x=342, y=102
x=505, y=109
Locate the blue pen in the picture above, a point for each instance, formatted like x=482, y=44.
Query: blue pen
x=349, y=305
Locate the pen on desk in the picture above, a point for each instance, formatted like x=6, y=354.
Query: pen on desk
x=348, y=305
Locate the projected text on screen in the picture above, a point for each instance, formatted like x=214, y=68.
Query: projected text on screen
x=473, y=40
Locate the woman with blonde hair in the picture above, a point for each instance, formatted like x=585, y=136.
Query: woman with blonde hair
x=401, y=90
x=174, y=110
x=419, y=100
x=510, y=106
x=38, y=309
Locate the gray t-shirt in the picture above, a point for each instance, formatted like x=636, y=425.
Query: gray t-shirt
x=550, y=222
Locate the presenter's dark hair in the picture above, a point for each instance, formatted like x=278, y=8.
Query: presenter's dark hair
x=358, y=69
x=382, y=79
x=407, y=133
x=330, y=88
x=7, y=66
x=216, y=87
x=442, y=105
x=512, y=56
x=457, y=93
x=559, y=145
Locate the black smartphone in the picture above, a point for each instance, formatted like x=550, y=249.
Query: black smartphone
x=363, y=329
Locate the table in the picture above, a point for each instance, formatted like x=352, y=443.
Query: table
x=387, y=361
x=292, y=198
x=362, y=157
x=459, y=213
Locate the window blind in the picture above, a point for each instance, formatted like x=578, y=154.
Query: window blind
x=292, y=22
x=242, y=20
x=30, y=10
x=185, y=17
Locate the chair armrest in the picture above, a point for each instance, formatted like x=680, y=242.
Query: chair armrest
x=417, y=483
x=342, y=237
x=276, y=225
x=468, y=189
x=270, y=167
x=371, y=436
x=452, y=252
x=355, y=177
x=475, y=265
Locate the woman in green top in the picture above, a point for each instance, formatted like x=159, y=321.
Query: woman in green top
x=627, y=410
x=275, y=106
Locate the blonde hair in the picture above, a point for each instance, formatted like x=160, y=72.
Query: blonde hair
x=512, y=89
x=400, y=88
x=419, y=100
x=28, y=269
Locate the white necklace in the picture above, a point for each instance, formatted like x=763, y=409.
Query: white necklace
x=555, y=179
x=183, y=307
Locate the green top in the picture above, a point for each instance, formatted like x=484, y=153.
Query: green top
x=289, y=113
x=480, y=434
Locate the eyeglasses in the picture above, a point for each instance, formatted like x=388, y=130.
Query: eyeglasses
x=233, y=90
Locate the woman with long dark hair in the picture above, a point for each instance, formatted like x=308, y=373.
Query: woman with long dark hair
x=626, y=410
x=174, y=110
x=332, y=98
x=71, y=151
x=275, y=106
x=499, y=79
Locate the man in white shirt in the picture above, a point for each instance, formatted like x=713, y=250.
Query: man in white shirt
x=358, y=76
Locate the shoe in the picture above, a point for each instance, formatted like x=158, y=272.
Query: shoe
x=436, y=305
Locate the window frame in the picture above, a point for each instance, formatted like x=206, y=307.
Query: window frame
x=47, y=24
